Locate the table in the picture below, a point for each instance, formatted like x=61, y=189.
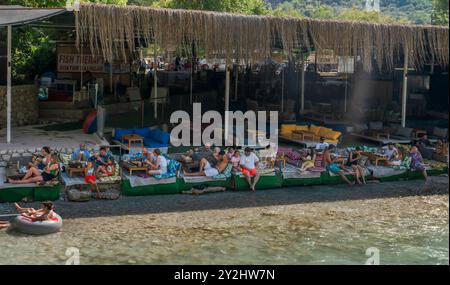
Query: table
x=132, y=167
x=133, y=138
x=375, y=157
x=72, y=170
x=13, y=173
x=379, y=134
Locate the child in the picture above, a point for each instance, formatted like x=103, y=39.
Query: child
x=89, y=177
x=236, y=161
x=45, y=213
x=308, y=162
x=230, y=153
x=109, y=169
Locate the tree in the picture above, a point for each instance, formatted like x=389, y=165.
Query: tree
x=440, y=12
x=355, y=14
x=323, y=12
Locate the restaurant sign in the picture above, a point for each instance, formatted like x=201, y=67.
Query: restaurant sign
x=87, y=62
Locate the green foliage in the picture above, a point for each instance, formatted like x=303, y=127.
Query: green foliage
x=32, y=52
x=440, y=12
x=256, y=7
x=355, y=14
x=399, y=11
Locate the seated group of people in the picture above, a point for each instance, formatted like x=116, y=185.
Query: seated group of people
x=100, y=164
x=42, y=168
x=155, y=162
x=215, y=162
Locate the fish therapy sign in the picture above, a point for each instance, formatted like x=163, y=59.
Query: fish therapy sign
x=234, y=133
x=69, y=62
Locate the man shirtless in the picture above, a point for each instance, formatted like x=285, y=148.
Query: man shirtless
x=334, y=167
x=206, y=169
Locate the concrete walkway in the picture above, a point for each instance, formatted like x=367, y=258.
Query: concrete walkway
x=30, y=137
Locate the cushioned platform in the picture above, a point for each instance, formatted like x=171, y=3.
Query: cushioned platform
x=269, y=181
x=17, y=193
x=184, y=185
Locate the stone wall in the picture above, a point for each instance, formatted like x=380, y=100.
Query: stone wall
x=25, y=105
x=25, y=154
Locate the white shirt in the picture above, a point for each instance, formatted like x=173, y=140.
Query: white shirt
x=390, y=152
x=163, y=164
x=323, y=145
x=249, y=161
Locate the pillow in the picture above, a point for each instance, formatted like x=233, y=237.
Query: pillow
x=404, y=132
x=315, y=130
x=287, y=129
x=293, y=155
x=440, y=132
x=155, y=134
x=302, y=128
x=376, y=126
x=143, y=132
x=164, y=137
x=118, y=133
x=324, y=132
x=333, y=135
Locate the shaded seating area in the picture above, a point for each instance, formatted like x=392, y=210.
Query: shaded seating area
x=139, y=137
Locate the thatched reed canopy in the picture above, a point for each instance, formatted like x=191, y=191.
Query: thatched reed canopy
x=112, y=29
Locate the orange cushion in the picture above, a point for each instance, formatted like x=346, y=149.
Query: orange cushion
x=302, y=128
x=286, y=130
x=324, y=132
x=314, y=130
x=333, y=135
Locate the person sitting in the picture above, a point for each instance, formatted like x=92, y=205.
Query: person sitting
x=230, y=153
x=236, y=161
x=322, y=145
x=353, y=161
x=81, y=154
x=41, y=161
x=160, y=164
x=392, y=154
x=424, y=141
x=334, y=167
x=44, y=213
x=308, y=161
x=209, y=170
x=107, y=170
x=249, y=164
x=34, y=175
x=101, y=160
x=417, y=162
x=89, y=177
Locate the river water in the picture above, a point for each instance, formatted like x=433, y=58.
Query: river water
x=404, y=230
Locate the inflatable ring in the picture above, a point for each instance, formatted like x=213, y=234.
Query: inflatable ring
x=27, y=226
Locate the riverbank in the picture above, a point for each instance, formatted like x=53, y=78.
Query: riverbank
x=406, y=221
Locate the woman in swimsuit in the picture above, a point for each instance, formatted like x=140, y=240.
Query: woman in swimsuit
x=44, y=213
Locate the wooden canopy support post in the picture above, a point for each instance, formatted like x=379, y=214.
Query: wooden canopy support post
x=8, y=83
x=302, y=85
x=405, y=86
x=227, y=87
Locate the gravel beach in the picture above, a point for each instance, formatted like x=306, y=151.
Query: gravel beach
x=407, y=221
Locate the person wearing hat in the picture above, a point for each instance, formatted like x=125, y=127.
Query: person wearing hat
x=322, y=145
x=249, y=164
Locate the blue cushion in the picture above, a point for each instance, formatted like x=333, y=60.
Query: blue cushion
x=153, y=143
x=118, y=133
x=164, y=138
x=143, y=132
